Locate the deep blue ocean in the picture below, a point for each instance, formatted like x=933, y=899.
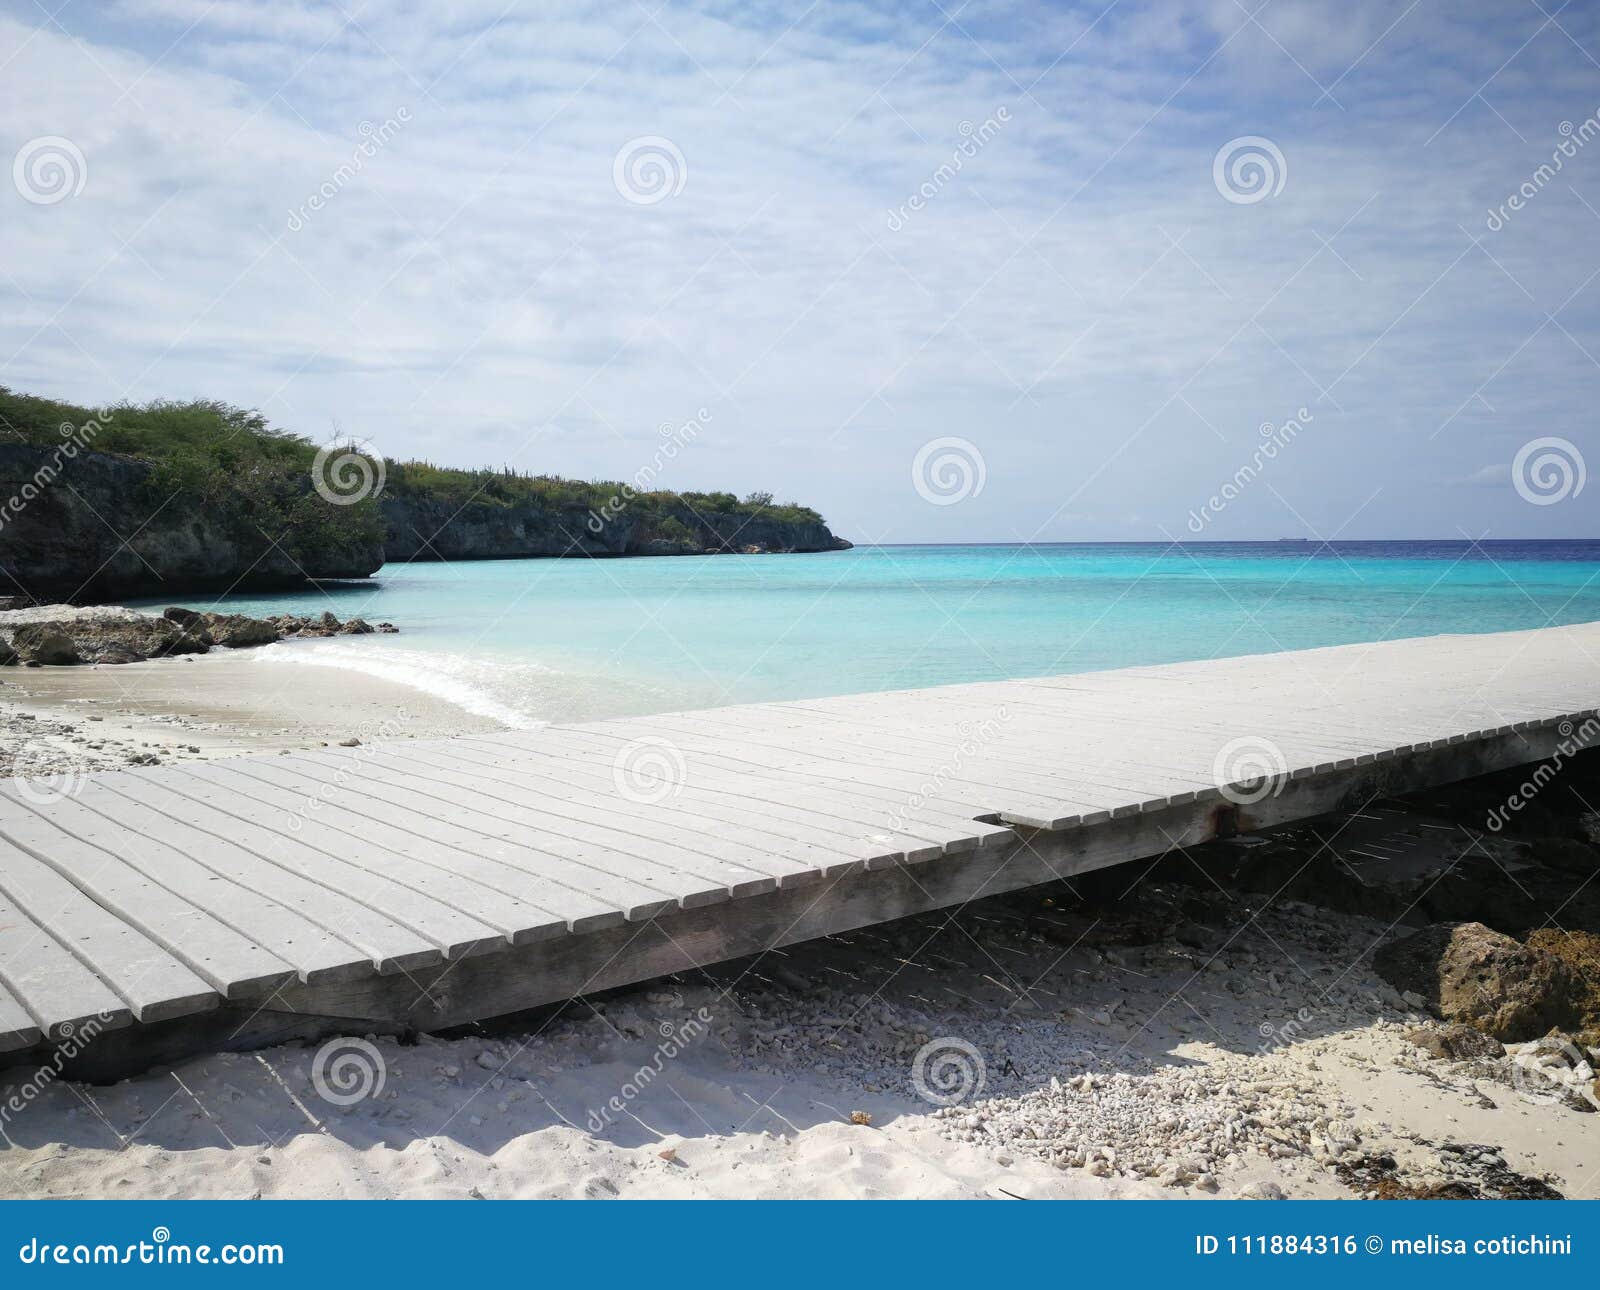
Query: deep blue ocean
x=536, y=640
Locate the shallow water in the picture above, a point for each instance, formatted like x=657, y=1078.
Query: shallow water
x=532, y=640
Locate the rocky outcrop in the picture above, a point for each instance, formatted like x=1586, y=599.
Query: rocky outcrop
x=238, y=631
x=94, y=526
x=122, y=636
x=1482, y=978
x=420, y=526
x=1454, y=1042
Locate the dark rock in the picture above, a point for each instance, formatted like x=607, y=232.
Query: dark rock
x=237, y=631
x=44, y=643
x=1565, y=854
x=424, y=527
x=67, y=543
x=1580, y=951
x=298, y=626
x=130, y=639
x=665, y=546
x=1468, y=973
x=1454, y=1042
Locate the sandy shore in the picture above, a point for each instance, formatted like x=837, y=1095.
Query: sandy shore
x=1083, y=1057
x=1160, y=1033
x=219, y=704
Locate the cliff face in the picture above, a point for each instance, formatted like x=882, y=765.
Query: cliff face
x=423, y=527
x=94, y=526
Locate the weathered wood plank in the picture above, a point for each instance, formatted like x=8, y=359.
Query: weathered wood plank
x=144, y=974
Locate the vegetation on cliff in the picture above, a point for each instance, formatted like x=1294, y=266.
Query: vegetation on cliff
x=230, y=462
x=654, y=510
x=263, y=480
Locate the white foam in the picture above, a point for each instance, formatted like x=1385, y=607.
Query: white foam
x=482, y=686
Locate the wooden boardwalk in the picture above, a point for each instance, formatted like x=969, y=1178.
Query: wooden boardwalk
x=469, y=877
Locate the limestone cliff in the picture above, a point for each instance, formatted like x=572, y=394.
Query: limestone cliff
x=94, y=526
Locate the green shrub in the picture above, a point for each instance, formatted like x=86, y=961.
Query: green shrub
x=220, y=455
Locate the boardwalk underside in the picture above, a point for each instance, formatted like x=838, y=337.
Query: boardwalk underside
x=428, y=883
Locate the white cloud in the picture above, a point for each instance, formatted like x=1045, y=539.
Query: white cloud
x=1078, y=300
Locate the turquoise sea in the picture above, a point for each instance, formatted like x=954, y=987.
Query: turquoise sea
x=537, y=640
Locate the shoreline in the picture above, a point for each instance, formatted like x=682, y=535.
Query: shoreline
x=194, y=707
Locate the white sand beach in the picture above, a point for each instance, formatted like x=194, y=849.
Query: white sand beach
x=223, y=703
x=1267, y=1068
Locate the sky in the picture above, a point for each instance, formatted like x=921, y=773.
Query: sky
x=944, y=271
